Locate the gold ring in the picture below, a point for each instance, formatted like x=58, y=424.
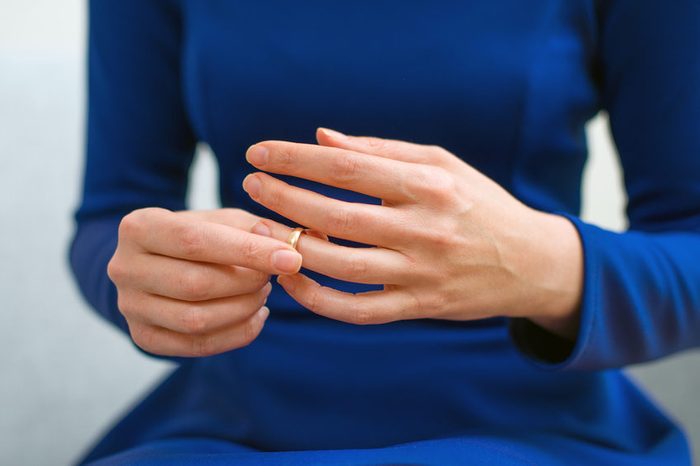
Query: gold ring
x=293, y=237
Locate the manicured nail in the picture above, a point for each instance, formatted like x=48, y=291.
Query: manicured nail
x=261, y=229
x=286, y=261
x=263, y=312
x=333, y=134
x=267, y=289
x=257, y=155
x=252, y=185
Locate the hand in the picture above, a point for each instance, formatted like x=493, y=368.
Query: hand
x=195, y=283
x=450, y=242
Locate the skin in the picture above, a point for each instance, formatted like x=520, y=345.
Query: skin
x=448, y=243
x=194, y=283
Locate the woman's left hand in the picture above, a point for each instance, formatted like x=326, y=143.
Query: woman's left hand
x=450, y=242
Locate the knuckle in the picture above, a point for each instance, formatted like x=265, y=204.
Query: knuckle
x=202, y=346
x=339, y=220
x=130, y=221
x=251, y=249
x=450, y=230
x=435, y=184
x=362, y=316
x=314, y=299
x=116, y=271
x=376, y=143
x=437, y=152
x=441, y=239
x=235, y=214
x=415, y=307
x=194, y=285
x=144, y=337
x=440, y=302
x=126, y=304
x=344, y=168
x=434, y=303
x=440, y=236
x=190, y=239
x=194, y=320
x=356, y=266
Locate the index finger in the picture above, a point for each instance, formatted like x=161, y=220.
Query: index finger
x=163, y=232
x=376, y=176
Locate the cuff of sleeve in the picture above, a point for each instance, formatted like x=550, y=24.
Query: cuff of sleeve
x=89, y=253
x=552, y=352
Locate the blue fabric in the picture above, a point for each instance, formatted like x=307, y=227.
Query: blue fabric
x=506, y=85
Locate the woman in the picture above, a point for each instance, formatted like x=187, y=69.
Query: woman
x=496, y=320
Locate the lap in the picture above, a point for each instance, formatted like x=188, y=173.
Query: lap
x=448, y=451
x=513, y=450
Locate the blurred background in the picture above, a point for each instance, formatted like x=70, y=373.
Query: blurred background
x=65, y=373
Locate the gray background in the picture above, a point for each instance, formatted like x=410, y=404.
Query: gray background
x=66, y=374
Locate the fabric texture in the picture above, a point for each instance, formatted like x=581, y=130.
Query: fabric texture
x=506, y=85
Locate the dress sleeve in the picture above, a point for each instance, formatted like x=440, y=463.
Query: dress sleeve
x=139, y=144
x=641, y=297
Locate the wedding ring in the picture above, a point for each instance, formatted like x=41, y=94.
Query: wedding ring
x=293, y=237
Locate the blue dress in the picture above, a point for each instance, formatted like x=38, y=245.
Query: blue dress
x=508, y=86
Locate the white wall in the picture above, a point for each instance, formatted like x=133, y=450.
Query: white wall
x=66, y=374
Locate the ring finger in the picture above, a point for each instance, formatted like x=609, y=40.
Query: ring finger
x=373, y=265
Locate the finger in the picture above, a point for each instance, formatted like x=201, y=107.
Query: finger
x=390, y=148
x=164, y=232
x=198, y=318
x=360, y=265
x=191, y=281
x=376, y=176
x=371, y=307
x=365, y=223
x=158, y=340
x=233, y=217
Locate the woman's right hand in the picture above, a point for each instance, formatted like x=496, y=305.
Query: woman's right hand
x=194, y=283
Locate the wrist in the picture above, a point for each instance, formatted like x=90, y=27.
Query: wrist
x=548, y=267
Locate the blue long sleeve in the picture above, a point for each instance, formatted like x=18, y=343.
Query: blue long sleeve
x=641, y=296
x=506, y=85
x=139, y=142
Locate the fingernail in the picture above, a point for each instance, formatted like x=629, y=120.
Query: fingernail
x=267, y=289
x=286, y=261
x=257, y=155
x=261, y=229
x=333, y=134
x=252, y=185
x=263, y=312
